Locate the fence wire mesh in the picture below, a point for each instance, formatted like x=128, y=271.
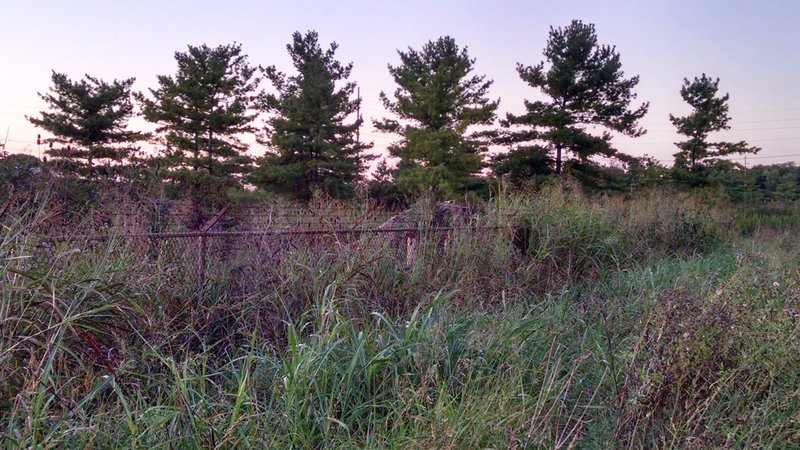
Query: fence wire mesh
x=242, y=258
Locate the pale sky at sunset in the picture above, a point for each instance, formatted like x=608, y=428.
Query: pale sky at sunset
x=752, y=46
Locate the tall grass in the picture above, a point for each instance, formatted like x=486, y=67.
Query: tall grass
x=606, y=323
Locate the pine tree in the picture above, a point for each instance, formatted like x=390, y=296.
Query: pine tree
x=587, y=92
x=525, y=162
x=202, y=111
x=437, y=101
x=787, y=190
x=710, y=114
x=88, y=119
x=311, y=144
x=383, y=190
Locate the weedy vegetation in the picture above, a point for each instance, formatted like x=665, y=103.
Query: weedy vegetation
x=609, y=323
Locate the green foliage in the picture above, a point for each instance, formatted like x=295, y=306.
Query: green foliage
x=18, y=173
x=757, y=184
x=586, y=89
x=384, y=190
x=571, y=238
x=635, y=322
x=437, y=101
x=201, y=112
x=88, y=119
x=311, y=146
x=646, y=173
x=752, y=219
x=710, y=114
x=522, y=164
x=24, y=178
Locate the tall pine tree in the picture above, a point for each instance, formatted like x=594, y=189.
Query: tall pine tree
x=437, y=104
x=587, y=92
x=88, y=120
x=710, y=114
x=202, y=111
x=312, y=142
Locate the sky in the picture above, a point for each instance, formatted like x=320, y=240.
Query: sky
x=752, y=46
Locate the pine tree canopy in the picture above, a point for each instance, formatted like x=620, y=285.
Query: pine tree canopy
x=88, y=120
x=587, y=94
x=313, y=144
x=710, y=114
x=436, y=104
x=202, y=110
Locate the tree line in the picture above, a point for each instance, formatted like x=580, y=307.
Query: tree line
x=441, y=116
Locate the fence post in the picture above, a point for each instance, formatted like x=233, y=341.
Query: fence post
x=411, y=247
x=201, y=261
x=201, y=257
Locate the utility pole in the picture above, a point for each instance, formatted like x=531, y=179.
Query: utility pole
x=358, y=116
x=3, y=144
x=8, y=130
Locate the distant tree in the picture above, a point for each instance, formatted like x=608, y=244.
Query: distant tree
x=19, y=173
x=587, y=92
x=312, y=146
x=383, y=190
x=645, y=173
x=202, y=111
x=522, y=164
x=774, y=182
x=710, y=114
x=88, y=119
x=437, y=101
x=777, y=181
x=788, y=190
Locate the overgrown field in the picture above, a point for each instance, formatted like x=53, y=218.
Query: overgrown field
x=652, y=322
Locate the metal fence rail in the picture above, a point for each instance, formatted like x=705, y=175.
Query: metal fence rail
x=261, y=247
x=267, y=233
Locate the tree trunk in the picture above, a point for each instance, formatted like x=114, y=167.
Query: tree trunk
x=558, y=159
x=210, y=147
x=89, y=161
x=196, y=152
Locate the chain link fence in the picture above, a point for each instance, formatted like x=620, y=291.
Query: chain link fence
x=244, y=247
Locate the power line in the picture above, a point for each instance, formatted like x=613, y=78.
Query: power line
x=766, y=110
x=672, y=143
x=22, y=126
x=767, y=157
x=659, y=128
x=764, y=121
x=736, y=130
x=741, y=158
x=774, y=140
